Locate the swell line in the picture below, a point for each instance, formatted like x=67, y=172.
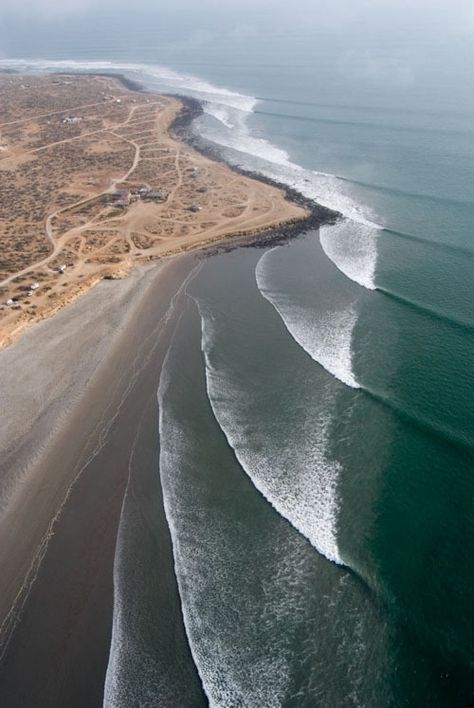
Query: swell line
x=431, y=312
x=450, y=436
x=442, y=245
x=360, y=124
x=360, y=264
x=405, y=193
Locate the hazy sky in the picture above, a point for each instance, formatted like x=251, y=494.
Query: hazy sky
x=447, y=15
x=403, y=44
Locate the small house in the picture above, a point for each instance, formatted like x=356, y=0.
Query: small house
x=154, y=195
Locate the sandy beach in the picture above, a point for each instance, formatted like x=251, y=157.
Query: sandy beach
x=67, y=473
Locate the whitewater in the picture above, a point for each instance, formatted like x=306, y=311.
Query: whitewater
x=308, y=499
x=241, y=626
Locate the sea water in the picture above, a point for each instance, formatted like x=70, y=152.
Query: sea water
x=316, y=410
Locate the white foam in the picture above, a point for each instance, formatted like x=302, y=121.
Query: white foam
x=126, y=652
x=325, y=336
x=135, y=676
x=237, y=663
x=296, y=476
x=220, y=113
x=238, y=136
x=352, y=247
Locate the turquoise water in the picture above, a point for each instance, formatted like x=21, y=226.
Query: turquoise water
x=316, y=409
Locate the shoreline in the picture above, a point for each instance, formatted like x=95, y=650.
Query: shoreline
x=180, y=129
x=73, y=422
x=60, y=513
x=178, y=132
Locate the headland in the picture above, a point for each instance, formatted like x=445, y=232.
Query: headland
x=95, y=179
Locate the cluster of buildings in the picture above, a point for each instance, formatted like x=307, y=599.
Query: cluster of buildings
x=123, y=198
x=12, y=300
x=31, y=289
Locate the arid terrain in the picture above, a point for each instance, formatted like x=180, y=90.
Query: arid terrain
x=91, y=183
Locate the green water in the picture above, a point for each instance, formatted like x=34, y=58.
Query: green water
x=323, y=496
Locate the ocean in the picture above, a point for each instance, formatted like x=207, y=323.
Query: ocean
x=316, y=417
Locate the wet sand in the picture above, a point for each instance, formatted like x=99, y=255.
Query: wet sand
x=56, y=642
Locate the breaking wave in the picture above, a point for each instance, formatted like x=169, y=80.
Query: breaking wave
x=307, y=498
x=352, y=247
x=325, y=335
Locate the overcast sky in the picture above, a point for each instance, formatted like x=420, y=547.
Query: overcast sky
x=401, y=43
x=450, y=15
